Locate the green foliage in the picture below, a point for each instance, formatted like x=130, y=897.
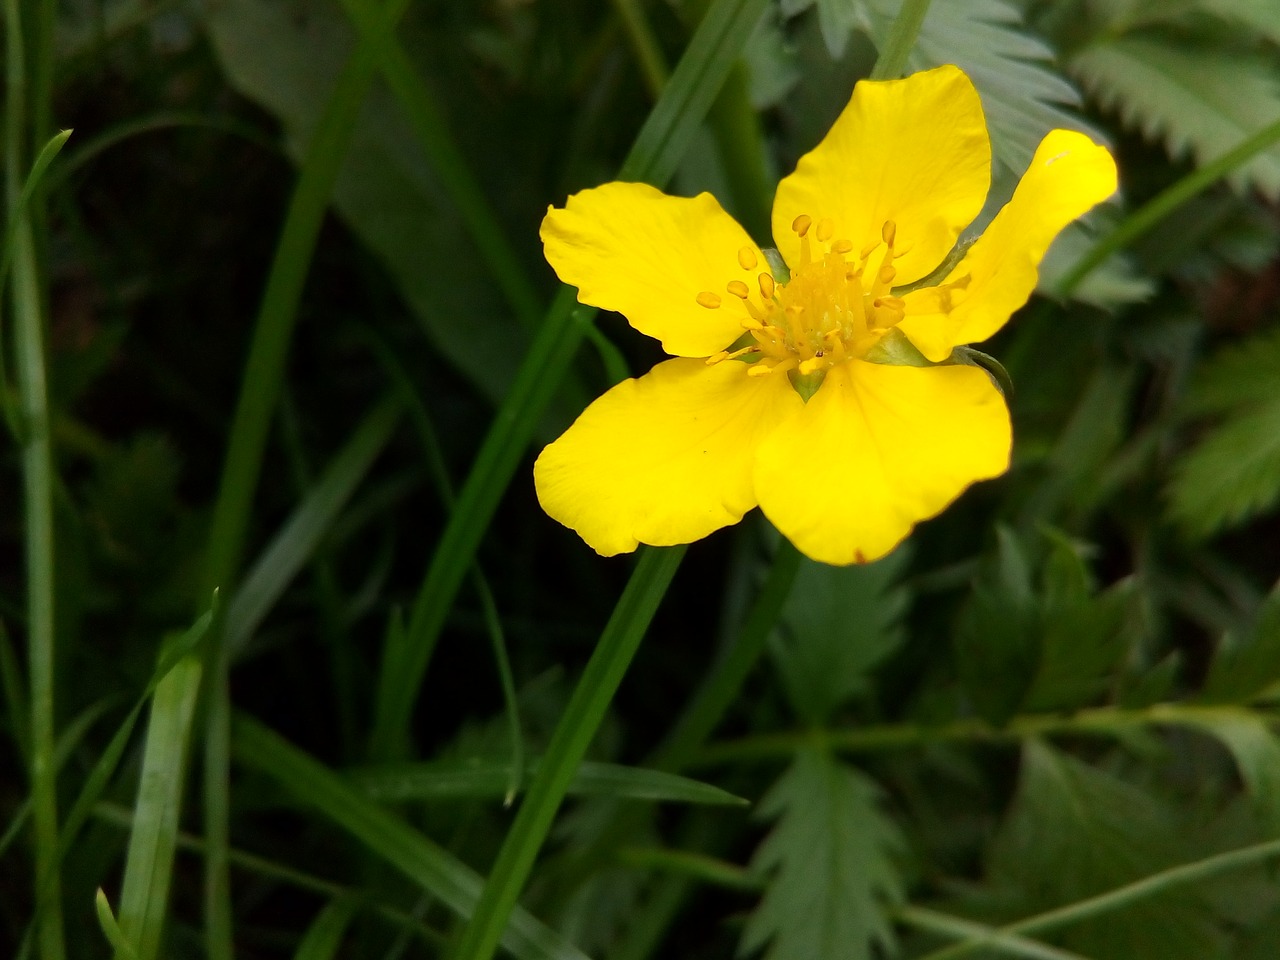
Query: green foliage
x=1063, y=685
x=1075, y=831
x=1233, y=472
x=831, y=862
x=1198, y=99
x=838, y=623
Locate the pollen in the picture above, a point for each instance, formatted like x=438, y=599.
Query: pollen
x=738, y=289
x=708, y=299
x=747, y=258
x=801, y=224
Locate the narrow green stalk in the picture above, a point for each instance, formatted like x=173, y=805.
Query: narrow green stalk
x=1148, y=886
x=653, y=66
x=264, y=369
x=892, y=61
x=151, y=850
x=574, y=733
x=654, y=157
x=428, y=122
x=1000, y=941
x=1098, y=721
x=38, y=485
x=1164, y=203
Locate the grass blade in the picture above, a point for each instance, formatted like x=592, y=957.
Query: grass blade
x=387, y=836
x=298, y=538
x=574, y=733
x=323, y=938
x=489, y=779
x=657, y=151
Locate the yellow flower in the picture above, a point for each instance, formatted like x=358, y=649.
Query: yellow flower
x=875, y=208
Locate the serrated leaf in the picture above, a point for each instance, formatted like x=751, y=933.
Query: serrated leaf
x=1262, y=16
x=830, y=864
x=1231, y=475
x=837, y=624
x=1197, y=100
x=1074, y=831
x=1243, y=667
x=1081, y=650
x=997, y=637
x=1022, y=96
x=1257, y=755
x=1240, y=375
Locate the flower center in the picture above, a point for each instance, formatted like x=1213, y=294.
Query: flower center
x=834, y=308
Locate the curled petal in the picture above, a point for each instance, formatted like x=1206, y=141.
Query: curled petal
x=631, y=248
x=1069, y=175
x=876, y=450
x=914, y=151
x=664, y=459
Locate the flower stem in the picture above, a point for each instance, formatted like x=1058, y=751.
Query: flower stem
x=574, y=733
x=1148, y=886
x=892, y=62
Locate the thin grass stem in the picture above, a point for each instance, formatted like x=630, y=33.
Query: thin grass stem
x=574, y=733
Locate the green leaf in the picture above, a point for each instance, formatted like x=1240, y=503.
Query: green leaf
x=1022, y=95
x=1238, y=377
x=1246, y=666
x=323, y=938
x=111, y=929
x=837, y=624
x=398, y=782
x=456, y=885
x=1085, y=637
x=830, y=865
x=1257, y=755
x=997, y=637
x=1198, y=100
x=394, y=202
x=1074, y=831
x=1262, y=16
x=1231, y=475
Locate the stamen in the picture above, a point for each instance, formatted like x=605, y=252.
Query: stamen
x=869, y=249
x=726, y=355
x=708, y=299
x=738, y=289
x=801, y=224
x=887, y=273
x=812, y=365
x=842, y=246
x=888, y=232
x=766, y=286
x=826, y=229
x=747, y=258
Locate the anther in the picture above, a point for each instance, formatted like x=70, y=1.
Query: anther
x=738, y=289
x=766, y=286
x=812, y=365
x=709, y=300
x=747, y=258
x=868, y=249
x=888, y=232
x=842, y=246
x=887, y=273
x=801, y=224
x=826, y=229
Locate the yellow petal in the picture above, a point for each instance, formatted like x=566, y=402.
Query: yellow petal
x=664, y=459
x=877, y=449
x=914, y=151
x=1069, y=174
x=631, y=248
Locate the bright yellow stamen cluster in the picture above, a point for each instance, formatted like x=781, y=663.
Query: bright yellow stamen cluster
x=833, y=308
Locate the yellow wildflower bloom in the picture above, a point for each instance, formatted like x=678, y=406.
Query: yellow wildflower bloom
x=876, y=207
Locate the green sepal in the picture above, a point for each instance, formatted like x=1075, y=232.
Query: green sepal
x=994, y=368
x=806, y=384
x=896, y=349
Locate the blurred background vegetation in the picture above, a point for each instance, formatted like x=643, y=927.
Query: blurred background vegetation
x=263, y=309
